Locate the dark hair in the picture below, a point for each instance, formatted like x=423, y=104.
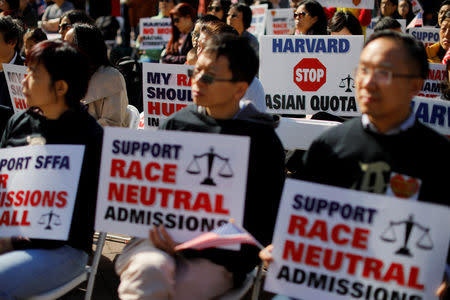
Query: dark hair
x=386, y=23
x=445, y=16
x=206, y=19
x=89, y=40
x=246, y=13
x=13, y=4
x=77, y=16
x=63, y=62
x=413, y=48
x=182, y=9
x=410, y=15
x=36, y=35
x=345, y=19
x=218, y=27
x=394, y=2
x=225, y=4
x=315, y=9
x=242, y=58
x=12, y=31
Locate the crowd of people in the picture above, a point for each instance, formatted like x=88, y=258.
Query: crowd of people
x=74, y=89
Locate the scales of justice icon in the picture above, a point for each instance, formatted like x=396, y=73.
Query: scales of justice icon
x=423, y=242
x=349, y=80
x=225, y=170
x=50, y=216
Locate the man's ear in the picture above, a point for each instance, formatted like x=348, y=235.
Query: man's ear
x=241, y=88
x=61, y=87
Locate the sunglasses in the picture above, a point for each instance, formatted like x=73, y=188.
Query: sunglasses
x=297, y=15
x=214, y=8
x=206, y=78
x=64, y=26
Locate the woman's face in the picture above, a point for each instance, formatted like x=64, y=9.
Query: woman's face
x=184, y=24
x=236, y=20
x=444, y=34
x=403, y=8
x=64, y=26
x=38, y=88
x=215, y=9
x=303, y=20
x=4, y=5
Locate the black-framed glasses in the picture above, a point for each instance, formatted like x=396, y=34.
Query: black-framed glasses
x=380, y=75
x=214, y=8
x=206, y=78
x=64, y=26
x=302, y=13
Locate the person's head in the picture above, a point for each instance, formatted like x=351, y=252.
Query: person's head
x=344, y=23
x=444, y=32
x=165, y=6
x=239, y=17
x=294, y=3
x=310, y=18
x=387, y=23
x=198, y=25
x=391, y=71
x=222, y=74
x=219, y=8
x=404, y=8
x=388, y=7
x=32, y=37
x=89, y=40
x=11, y=36
x=71, y=17
x=183, y=17
x=9, y=4
x=57, y=77
x=211, y=29
x=445, y=7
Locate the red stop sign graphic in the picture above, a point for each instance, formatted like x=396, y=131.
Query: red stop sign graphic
x=310, y=74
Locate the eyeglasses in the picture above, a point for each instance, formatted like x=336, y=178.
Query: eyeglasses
x=175, y=20
x=380, y=75
x=214, y=8
x=206, y=78
x=63, y=26
x=297, y=15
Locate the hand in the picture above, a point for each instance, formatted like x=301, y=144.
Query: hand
x=441, y=290
x=162, y=240
x=5, y=245
x=266, y=255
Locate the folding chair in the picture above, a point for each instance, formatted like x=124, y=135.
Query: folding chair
x=253, y=278
x=89, y=274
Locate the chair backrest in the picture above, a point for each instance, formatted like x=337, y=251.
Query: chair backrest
x=89, y=274
x=134, y=116
x=253, y=278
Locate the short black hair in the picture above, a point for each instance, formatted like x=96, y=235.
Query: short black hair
x=246, y=13
x=414, y=49
x=89, y=39
x=63, y=62
x=445, y=2
x=394, y=2
x=445, y=16
x=12, y=31
x=345, y=19
x=242, y=58
x=36, y=35
x=315, y=9
x=386, y=23
x=13, y=4
x=77, y=16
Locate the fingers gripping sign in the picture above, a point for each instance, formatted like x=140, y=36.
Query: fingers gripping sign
x=162, y=240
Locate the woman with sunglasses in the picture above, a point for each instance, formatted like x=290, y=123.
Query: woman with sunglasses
x=219, y=8
x=310, y=18
x=71, y=17
x=183, y=18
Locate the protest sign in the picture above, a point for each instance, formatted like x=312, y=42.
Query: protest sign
x=334, y=243
x=258, y=25
x=280, y=21
x=416, y=7
x=369, y=29
x=14, y=75
x=437, y=74
x=427, y=35
x=189, y=182
x=368, y=4
x=433, y=113
x=38, y=187
x=166, y=89
x=155, y=33
x=307, y=74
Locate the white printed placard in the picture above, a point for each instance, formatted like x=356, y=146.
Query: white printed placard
x=155, y=33
x=416, y=6
x=368, y=4
x=427, y=35
x=166, y=89
x=259, y=16
x=14, y=75
x=310, y=73
x=433, y=112
x=437, y=74
x=38, y=187
x=280, y=21
x=189, y=182
x=332, y=243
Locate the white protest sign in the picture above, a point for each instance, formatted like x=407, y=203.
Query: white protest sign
x=155, y=33
x=427, y=35
x=369, y=4
x=259, y=16
x=307, y=74
x=333, y=243
x=166, y=89
x=38, y=187
x=432, y=84
x=189, y=182
x=369, y=29
x=14, y=75
x=416, y=7
x=434, y=113
x=280, y=21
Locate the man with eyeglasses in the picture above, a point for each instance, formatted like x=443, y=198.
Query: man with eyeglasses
x=151, y=269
